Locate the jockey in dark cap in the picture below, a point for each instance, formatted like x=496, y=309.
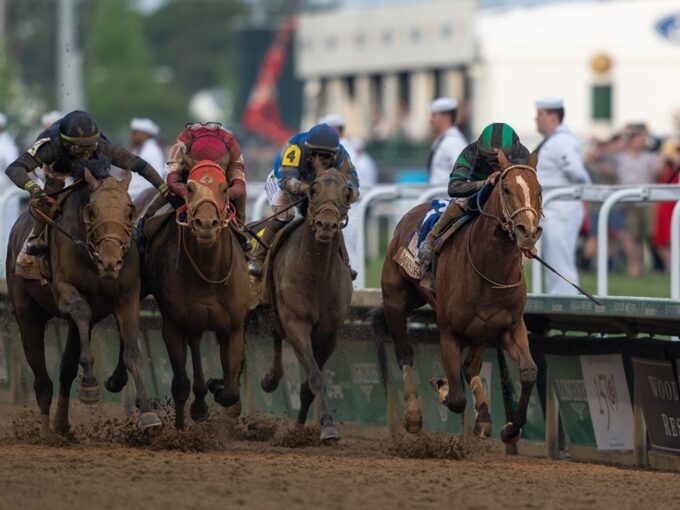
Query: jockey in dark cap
x=294, y=172
x=64, y=150
x=476, y=166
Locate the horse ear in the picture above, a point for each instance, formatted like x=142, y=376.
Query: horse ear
x=533, y=159
x=502, y=160
x=90, y=179
x=189, y=162
x=223, y=162
x=125, y=181
x=316, y=162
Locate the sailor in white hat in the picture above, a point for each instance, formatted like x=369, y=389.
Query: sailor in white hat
x=143, y=142
x=560, y=163
x=449, y=141
x=50, y=118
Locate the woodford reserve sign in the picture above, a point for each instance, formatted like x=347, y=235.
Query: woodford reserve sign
x=657, y=383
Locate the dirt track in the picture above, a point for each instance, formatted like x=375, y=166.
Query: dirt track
x=366, y=469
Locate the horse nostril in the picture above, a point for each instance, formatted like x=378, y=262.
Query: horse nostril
x=214, y=223
x=318, y=225
x=522, y=230
x=197, y=223
x=119, y=264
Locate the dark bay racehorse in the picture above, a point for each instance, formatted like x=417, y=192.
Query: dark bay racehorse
x=89, y=282
x=203, y=287
x=481, y=295
x=312, y=292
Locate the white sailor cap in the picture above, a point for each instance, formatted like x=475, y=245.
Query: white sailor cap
x=3, y=120
x=145, y=126
x=550, y=103
x=50, y=118
x=443, y=104
x=333, y=120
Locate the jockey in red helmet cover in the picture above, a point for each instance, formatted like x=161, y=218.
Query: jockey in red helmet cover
x=210, y=141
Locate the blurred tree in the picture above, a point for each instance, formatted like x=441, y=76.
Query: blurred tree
x=120, y=80
x=194, y=41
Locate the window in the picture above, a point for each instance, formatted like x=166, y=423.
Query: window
x=602, y=102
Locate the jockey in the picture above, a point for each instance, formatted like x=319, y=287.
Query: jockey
x=63, y=150
x=292, y=174
x=209, y=141
x=476, y=166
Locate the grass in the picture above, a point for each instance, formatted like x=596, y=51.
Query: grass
x=652, y=284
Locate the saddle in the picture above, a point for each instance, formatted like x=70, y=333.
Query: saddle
x=262, y=287
x=407, y=255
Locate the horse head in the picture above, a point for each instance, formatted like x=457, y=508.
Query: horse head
x=207, y=200
x=108, y=216
x=329, y=200
x=520, y=200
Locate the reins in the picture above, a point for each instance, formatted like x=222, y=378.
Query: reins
x=507, y=224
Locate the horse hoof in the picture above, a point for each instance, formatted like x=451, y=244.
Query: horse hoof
x=198, y=410
x=482, y=429
x=215, y=385
x=112, y=385
x=269, y=383
x=413, y=422
x=89, y=395
x=148, y=420
x=329, y=433
x=226, y=398
x=510, y=433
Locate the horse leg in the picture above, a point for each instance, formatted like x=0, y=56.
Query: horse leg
x=323, y=348
x=32, y=321
x=127, y=315
x=395, y=318
x=177, y=352
x=516, y=342
x=71, y=303
x=198, y=409
x=450, y=347
x=471, y=369
x=119, y=378
x=270, y=381
x=300, y=338
x=67, y=373
x=231, y=355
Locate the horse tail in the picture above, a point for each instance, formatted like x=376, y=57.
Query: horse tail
x=506, y=387
x=379, y=324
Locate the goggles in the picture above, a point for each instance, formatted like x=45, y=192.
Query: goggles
x=79, y=150
x=213, y=126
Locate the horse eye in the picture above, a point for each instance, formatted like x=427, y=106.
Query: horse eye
x=506, y=190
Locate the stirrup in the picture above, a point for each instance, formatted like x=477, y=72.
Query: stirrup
x=255, y=267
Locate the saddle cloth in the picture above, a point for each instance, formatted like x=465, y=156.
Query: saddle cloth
x=407, y=255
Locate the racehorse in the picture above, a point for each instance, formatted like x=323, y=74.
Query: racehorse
x=480, y=296
x=312, y=291
x=95, y=273
x=196, y=270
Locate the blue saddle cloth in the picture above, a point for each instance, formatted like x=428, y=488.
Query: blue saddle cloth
x=437, y=208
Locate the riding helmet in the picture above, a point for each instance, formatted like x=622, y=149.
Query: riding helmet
x=79, y=128
x=322, y=138
x=498, y=137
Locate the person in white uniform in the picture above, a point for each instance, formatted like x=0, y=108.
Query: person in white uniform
x=449, y=142
x=143, y=133
x=11, y=208
x=560, y=163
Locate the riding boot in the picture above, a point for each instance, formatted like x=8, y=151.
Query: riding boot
x=138, y=231
x=36, y=243
x=344, y=256
x=260, y=252
x=452, y=213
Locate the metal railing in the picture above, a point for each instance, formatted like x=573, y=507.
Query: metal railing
x=392, y=201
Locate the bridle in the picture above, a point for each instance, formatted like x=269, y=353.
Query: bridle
x=507, y=224
x=226, y=213
x=122, y=240
x=330, y=204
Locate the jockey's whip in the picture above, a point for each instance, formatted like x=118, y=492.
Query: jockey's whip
x=44, y=217
x=252, y=234
x=584, y=292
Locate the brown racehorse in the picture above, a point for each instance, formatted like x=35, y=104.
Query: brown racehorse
x=89, y=282
x=312, y=292
x=481, y=295
x=203, y=287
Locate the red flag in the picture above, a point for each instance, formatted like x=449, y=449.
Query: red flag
x=262, y=114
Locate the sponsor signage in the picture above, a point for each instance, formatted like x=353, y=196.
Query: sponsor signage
x=660, y=400
x=572, y=398
x=608, y=401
